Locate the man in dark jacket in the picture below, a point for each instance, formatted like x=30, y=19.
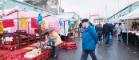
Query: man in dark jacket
x=107, y=29
x=99, y=30
x=89, y=40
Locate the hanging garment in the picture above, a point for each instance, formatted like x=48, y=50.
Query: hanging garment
x=8, y=23
x=43, y=25
x=1, y=27
x=64, y=30
x=61, y=22
x=23, y=23
x=69, y=22
x=39, y=20
x=34, y=23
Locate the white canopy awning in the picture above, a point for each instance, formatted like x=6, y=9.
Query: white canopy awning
x=12, y=13
x=68, y=15
x=132, y=15
x=114, y=21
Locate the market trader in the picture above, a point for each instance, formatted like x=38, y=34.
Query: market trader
x=89, y=40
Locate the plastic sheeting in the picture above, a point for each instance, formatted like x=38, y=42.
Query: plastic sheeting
x=53, y=22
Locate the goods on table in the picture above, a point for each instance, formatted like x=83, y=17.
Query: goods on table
x=33, y=53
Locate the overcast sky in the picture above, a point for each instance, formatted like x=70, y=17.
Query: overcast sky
x=103, y=8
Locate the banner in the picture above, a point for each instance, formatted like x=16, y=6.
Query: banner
x=23, y=21
x=1, y=27
x=8, y=23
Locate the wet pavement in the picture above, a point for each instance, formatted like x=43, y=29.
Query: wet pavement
x=115, y=51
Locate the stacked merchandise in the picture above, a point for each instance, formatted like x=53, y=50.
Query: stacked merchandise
x=31, y=52
x=69, y=41
x=10, y=40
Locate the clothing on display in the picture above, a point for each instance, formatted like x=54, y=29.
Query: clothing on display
x=7, y=39
x=43, y=25
x=64, y=31
x=61, y=22
x=1, y=27
x=39, y=20
x=23, y=23
x=8, y=23
x=34, y=23
x=69, y=22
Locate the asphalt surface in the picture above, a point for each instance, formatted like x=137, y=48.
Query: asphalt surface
x=115, y=51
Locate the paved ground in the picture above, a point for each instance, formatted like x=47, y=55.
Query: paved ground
x=116, y=51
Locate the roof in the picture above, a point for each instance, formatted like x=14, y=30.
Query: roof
x=8, y=4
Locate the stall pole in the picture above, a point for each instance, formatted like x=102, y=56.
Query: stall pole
x=64, y=29
x=18, y=29
x=127, y=33
x=40, y=37
x=28, y=26
x=59, y=5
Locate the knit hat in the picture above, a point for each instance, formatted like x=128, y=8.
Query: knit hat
x=85, y=20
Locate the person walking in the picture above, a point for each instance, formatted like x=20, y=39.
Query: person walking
x=107, y=29
x=119, y=30
x=99, y=30
x=89, y=40
x=105, y=33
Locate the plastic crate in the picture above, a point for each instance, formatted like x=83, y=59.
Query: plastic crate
x=68, y=45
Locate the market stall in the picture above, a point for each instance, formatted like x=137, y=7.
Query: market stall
x=130, y=22
x=17, y=36
x=24, y=39
x=70, y=20
x=69, y=23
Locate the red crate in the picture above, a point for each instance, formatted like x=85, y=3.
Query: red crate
x=15, y=55
x=68, y=45
x=3, y=53
x=71, y=45
x=62, y=45
x=10, y=47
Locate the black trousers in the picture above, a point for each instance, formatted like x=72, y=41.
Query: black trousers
x=85, y=54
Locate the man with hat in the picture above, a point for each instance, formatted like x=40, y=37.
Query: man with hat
x=89, y=40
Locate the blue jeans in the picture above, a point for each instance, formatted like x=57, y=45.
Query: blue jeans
x=85, y=54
